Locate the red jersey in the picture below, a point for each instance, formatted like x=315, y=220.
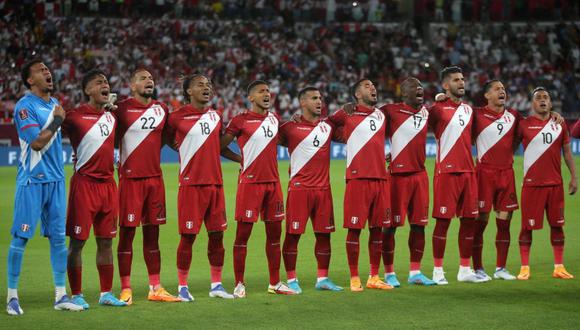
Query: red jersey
x=309, y=147
x=92, y=136
x=197, y=134
x=257, y=137
x=407, y=130
x=452, y=124
x=364, y=133
x=495, y=134
x=543, y=141
x=576, y=130
x=140, y=131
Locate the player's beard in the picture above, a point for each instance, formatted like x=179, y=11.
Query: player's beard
x=369, y=101
x=146, y=95
x=457, y=94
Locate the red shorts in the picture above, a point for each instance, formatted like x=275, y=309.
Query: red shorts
x=498, y=188
x=263, y=200
x=309, y=203
x=91, y=203
x=142, y=201
x=455, y=194
x=201, y=204
x=410, y=193
x=367, y=199
x=537, y=199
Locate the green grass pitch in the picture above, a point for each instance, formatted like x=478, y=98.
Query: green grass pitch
x=542, y=302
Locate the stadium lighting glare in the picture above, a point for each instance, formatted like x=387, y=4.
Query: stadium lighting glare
x=354, y=3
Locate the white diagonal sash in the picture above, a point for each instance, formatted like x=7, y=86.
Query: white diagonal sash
x=491, y=135
x=137, y=134
x=307, y=148
x=405, y=133
x=362, y=134
x=94, y=139
x=259, y=140
x=537, y=146
x=454, y=129
x=196, y=137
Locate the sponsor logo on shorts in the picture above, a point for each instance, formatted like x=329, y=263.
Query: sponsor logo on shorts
x=23, y=114
x=25, y=227
x=443, y=210
x=560, y=221
x=397, y=218
x=295, y=225
x=249, y=213
x=131, y=217
x=354, y=220
x=78, y=229
x=532, y=222
x=511, y=206
x=189, y=224
x=481, y=204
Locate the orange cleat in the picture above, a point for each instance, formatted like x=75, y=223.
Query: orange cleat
x=560, y=272
x=524, y=274
x=355, y=284
x=161, y=295
x=375, y=282
x=126, y=296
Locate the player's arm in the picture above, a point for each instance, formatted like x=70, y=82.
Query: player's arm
x=225, y=141
x=573, y=185
x=46, y=134
x=576, y=130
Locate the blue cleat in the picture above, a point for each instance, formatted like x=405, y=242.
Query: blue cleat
x=391, y=279
x=184, y=295
x=295, y=286
x=220, y=292
x=420, y=279
x=79, y=299
x=13, y=307
x=327, y=284
x=108, y=299
x=65, y=304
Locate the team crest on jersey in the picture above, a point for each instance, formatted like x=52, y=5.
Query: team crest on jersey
x=397, y=218
x=532, y=222
x=249, y=213
x=354, y=220
x=443, y=209
x=295, y=225
x=23, y=114
x=131, y=217
x=189, y=224
x=25, y=227
x=78, y=230
x=481, y=204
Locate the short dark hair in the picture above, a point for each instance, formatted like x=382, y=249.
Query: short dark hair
x=187, y=82
x=355, y=87
x=25, y=73
x=137, y=70
x=488, y=84
x=305, y=90
x=89, y=76
x=447, y=71
x=540, y=89
x=255, y=83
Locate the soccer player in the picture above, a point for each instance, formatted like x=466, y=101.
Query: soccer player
x=40, y=191
x=93, y=198
x=309, y=195
x=140, y=128
x=259, y=193
x=407, y=130
x=367, y=192
x=455, y=182
x=196, y=130
x=544, y=141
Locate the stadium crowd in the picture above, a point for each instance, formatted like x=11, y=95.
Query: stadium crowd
x=330, y=57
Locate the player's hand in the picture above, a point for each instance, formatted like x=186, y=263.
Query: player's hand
x=349, y=108
x=556, y=117
x=388, y=157
x=110, y=107
x=440, y=97
x=573, y=186
x=59, y=112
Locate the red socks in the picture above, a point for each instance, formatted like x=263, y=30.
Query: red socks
x=322, y=251
x=525, y=245
x=152, y=254
x=125, y=255
x=557, y=240
x=416, y=246
x=215, y=255
x=290, y=252
x=439, y=241
x=389, y=249
x=273, y=233
x=466, y=228
x=375, y=247
x=352, y=250
x=106, y=277
x=477, y=249
x=502, y=241
x=75, y=279
x=243, y=231
x=184, y=257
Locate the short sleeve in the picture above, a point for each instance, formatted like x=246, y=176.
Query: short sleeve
x=26, y=123
x=576, y=130
x=566, y=136
x=338, y=118
x=235, y=126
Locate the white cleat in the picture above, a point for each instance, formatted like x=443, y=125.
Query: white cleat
x=220, y=292
x=64, y=304
x=439, y=277
x=240, y=290
x=482, y=275
x=503, y=274
x=13, y=307
x=468, y=275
